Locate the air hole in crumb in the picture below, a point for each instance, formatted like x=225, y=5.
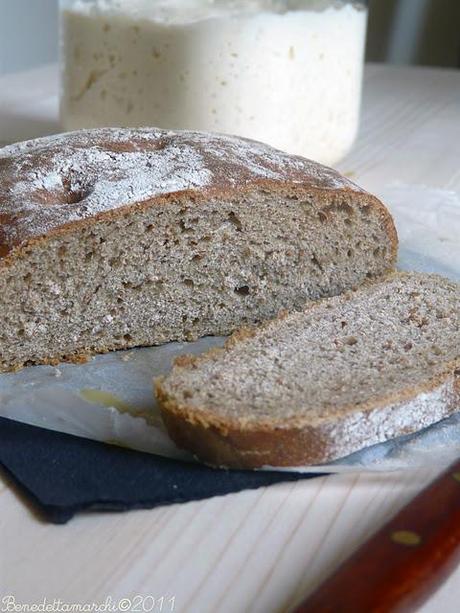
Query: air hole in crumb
x=189, y=282
x=347, y=221
x=349, y=253
x=242, y=291
x=346, y=208
x=407, y=346
x=115, y=262
x=233, y=219
x=197, y=258
x=316, y=262
x=343, y=324
x=127, y=337
x=376, y=251
x=322, y=217
x=184, y=318
x=130, y=285
x=28, y=277
x=62, y=251
x=21, y=332
x=351, y=340
x=149, y=227
x=340, y=207
x=183, y=227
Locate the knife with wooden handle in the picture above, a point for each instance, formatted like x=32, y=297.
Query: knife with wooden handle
x=404, y=562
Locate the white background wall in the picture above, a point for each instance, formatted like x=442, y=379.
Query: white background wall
x=28, y=33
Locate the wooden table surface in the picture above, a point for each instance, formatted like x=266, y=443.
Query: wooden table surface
x=256, y=551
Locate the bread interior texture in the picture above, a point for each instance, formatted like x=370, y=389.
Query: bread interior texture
x=364, y=349
x=181, y=269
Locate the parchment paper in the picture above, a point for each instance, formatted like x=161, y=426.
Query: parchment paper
x=110, y=398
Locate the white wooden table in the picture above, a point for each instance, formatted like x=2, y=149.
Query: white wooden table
x=257, y=551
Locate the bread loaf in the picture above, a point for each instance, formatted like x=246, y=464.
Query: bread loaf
x=316, y=385
x=116, y=238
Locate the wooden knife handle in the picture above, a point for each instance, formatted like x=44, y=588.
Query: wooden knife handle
x=404, y=562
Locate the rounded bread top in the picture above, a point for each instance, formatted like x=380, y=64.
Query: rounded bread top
x=51, y=183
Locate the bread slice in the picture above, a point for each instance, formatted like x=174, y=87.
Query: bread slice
x=316, y=385
x=117, y=238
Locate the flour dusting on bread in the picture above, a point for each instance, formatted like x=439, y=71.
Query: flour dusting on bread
x=52, y=181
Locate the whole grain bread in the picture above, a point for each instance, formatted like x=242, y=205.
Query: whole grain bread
x=116, y=238
x=316, y=385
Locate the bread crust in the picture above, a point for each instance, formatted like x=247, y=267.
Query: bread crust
x=229, y=444
x=60, y=179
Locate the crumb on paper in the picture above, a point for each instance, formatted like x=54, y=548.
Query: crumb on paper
x=126, y=357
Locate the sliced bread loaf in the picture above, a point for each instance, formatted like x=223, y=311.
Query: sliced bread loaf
x=312, y=386
x=115, y=238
